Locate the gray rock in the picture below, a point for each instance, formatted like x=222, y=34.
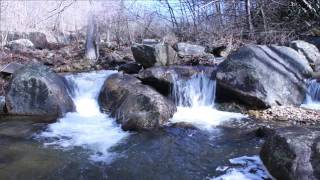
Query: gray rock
x=292, y=153
x=130, y=68
x=10, y=68
x=160, y=54
x=262, y=76
x=310, y=51
x=38, y=39
x=35, y=90
x=186, y=49
x=136, y=106
x=20, y=44
x=162, y=78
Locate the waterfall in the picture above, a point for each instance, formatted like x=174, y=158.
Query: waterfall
x=198, y=91
x=87, y=127
x=195, y=102
x=312, y=99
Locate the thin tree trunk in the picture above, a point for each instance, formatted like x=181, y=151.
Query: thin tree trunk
x=249, y=17
x=92, y=40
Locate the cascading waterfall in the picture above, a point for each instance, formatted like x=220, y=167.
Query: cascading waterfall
x=87, y=127
x=195, y=100
x=198, y=91
x=312, y=100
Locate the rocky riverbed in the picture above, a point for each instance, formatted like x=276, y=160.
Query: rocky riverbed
x=178, y=110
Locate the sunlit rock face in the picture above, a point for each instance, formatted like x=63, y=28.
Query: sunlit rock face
x=135, y=106
x=262, y=76
x=149, y=55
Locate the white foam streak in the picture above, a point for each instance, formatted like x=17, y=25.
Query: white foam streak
x=204, y=117
x=87, y=127
x=247, y=168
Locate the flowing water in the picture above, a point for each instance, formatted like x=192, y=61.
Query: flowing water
x=195, y=100
x=312, y=100
x=88, y=144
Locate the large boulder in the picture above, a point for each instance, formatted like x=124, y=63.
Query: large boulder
x=149, y=55
x=39, y=40
x=292, y=153
x=310, y=51
x=134, y=105
x=35, y=90
x=162, y=78
x=186, y=49
x=262, y=76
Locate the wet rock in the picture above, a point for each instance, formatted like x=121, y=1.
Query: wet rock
x=160, y=54
x=36, y=91
x=292, y=153
x=20, y=44
x=263, y=76
x=130, y=68
x=136, y=106
x=186, y=49
x=162, y=78
x=310, y=51
x=294, y=115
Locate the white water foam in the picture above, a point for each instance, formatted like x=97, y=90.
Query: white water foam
x=87, y=127
x=195, y=100
x=246, y=168
x=312, y=100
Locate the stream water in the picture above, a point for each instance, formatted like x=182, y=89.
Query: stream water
x=88, y=144
x=312, y=100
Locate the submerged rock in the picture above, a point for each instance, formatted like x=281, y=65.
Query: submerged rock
x=262, y=76
x=36, y=90
x=310, y=51
x=136, y=106
x=292, y=153
x=149, y=55
x=162, y=78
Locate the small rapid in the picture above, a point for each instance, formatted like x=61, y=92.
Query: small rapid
x=312, y=99
x=195, y=100
x=88, y=127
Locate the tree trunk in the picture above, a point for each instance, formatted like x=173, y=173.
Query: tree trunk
x=249, y=17
x=92, y=40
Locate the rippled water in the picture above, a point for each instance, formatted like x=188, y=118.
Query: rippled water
x=88, y=144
